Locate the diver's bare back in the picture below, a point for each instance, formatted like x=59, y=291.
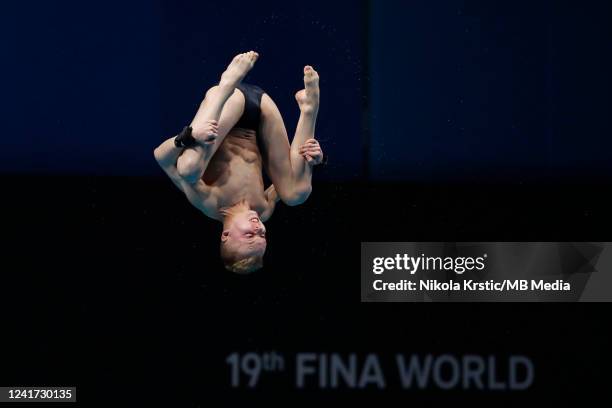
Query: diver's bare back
x=234, y=174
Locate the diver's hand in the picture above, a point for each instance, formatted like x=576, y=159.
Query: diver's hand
x=208, y=133
x=311, y=151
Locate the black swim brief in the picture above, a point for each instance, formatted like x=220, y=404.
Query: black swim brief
x=251, y=117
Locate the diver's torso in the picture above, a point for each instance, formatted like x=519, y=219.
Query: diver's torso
x=235, y=173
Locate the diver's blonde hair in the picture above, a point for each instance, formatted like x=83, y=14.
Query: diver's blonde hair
x=245, y=265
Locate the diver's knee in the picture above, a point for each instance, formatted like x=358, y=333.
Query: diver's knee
x=212, y=90
x=297, y=196
x=189, y=168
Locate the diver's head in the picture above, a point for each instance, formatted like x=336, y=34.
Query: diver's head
x=243, y=240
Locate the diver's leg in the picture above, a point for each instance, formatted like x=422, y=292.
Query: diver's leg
x=223, y=104
x=286, y=164
x=308, y=101
x=194, y=160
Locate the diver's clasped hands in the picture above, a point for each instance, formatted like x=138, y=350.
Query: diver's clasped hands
x=208, y=133
x=311, y=151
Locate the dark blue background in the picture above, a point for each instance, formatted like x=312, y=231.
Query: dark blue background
x=422, y=91
x=93, y=87
x=483, y=90
x=81, y=86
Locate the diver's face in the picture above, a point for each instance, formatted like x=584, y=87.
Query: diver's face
x=246, y=234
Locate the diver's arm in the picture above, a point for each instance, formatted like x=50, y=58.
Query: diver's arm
x=166, y=155
x=272, y=198
x=303, y=158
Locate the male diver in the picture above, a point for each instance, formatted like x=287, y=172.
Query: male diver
x=217, y=163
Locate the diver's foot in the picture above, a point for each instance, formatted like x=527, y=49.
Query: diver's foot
x=308, y=98
x=238, y=68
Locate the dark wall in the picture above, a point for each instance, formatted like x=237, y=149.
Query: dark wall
x=80, y=86
x=455, y=90
x=92, y=87
x=472, y=90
